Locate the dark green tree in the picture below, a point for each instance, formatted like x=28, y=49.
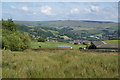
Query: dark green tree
x=12, y=38
x=9, y=25
x=41, y=39
x=91, y=46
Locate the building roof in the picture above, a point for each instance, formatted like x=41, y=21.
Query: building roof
x=97, y=43
x=79, y=41
x=108, y=46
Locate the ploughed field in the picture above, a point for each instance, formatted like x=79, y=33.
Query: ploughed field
x=59, y=64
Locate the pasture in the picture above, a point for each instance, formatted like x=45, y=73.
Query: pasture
x=112, y=41
x=35, y=45
x=59, y=64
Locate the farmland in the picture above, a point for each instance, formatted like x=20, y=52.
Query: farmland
x=59, y=40
x=69, y=29
x=35, y=45
x=112, y=41
x=20, y=60
x=59, y=64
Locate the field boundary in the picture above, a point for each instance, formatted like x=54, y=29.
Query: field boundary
x=87, y=50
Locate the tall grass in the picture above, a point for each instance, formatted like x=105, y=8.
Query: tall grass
x=59, y=64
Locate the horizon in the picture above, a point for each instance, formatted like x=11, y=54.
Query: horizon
x=72, y=20
x=62, y=20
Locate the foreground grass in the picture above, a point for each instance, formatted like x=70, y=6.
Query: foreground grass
x=59, y=64
x=35, y=45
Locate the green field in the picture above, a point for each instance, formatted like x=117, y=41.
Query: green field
x=35, y=45
x=59, y=64
x=112, y=41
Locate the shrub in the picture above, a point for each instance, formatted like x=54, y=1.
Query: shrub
x=13, y=39
x=41, y=39
x=80, y=48
x=76, y=43
x=84, y=43
x=91, y=46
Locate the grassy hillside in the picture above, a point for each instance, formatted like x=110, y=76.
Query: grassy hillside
x=69, y=28
x=59, y=64
x=36, y=45
x=70, y=23
x=112, y=41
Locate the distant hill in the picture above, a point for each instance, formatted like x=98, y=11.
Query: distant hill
x=72, y=29
x=68, y=23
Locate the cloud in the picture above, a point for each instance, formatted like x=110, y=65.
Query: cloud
x=87, y=10
x=94, y=8
x=60, y=11
x=34, y=13
x=13, y=7
x=25, y=8
x=46, y=10
x=74, y=11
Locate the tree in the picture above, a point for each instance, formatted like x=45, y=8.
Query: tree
x=76, y=43
x=84, y=43
x=80, y=48
x=13, y=39
x=91, y=46
x=41, y=39
x=9, y=25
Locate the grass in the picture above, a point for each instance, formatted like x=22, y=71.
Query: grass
x=59, y=64
x=53, y=31
x=65, y=37
x=112, y=41
x=0, y=64
x=36, y=45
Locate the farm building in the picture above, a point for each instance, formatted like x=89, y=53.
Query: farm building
x=64, y=47
x=75, y=41
x=86, y=42
x=79, y=42
x=102, y=45
x=52, y=40
x=107, y=46
x=97, y=43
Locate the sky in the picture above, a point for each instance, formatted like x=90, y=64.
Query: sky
x=46, y=11
x=60, y=0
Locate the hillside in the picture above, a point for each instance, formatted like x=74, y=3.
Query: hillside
x=68, y=23
x=67, y=29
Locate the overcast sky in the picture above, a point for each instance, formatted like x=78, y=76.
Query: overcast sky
x=45, y=11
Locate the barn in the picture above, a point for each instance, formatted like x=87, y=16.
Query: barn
x=102, y=45
x=107, y=46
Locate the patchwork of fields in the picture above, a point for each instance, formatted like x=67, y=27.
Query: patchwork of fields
x=59, y=64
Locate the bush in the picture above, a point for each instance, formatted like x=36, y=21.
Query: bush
x=76, y=43
x=41, y=39
x=80, y=48
x=84, y=43
x=13, y=39
x=91, y=46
